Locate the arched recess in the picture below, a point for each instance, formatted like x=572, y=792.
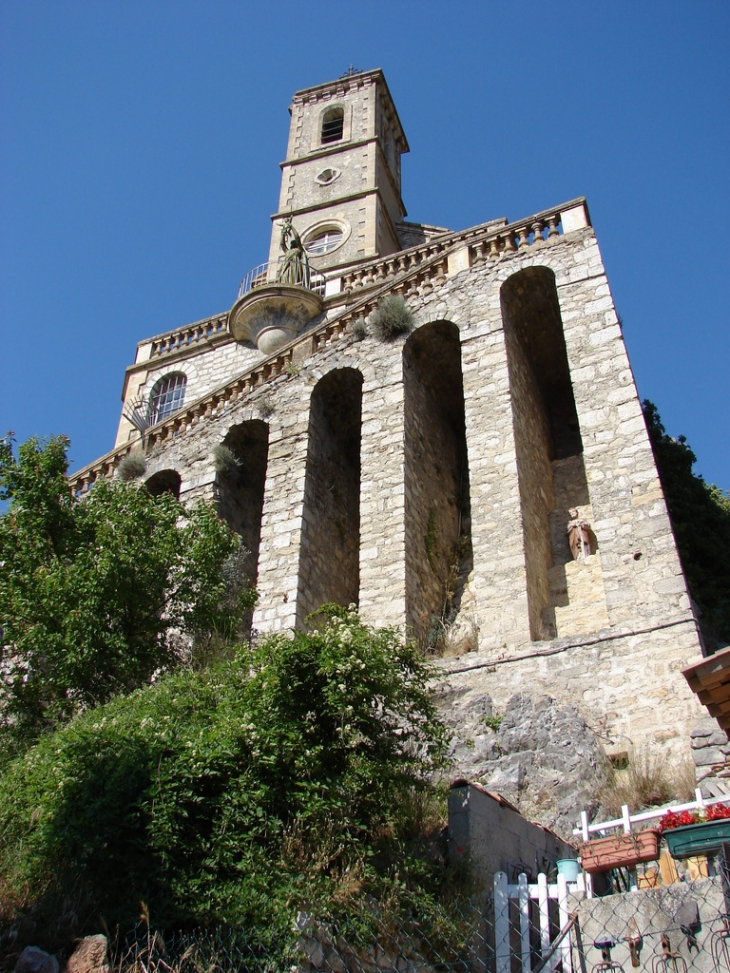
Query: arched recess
x=241, y=487
x=329, y=568
x=165, y=481
x=437, y=497
x=549, y=448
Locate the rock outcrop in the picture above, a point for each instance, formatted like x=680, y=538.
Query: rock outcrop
x=90, y=956
x=35, y=960
x=543, y=757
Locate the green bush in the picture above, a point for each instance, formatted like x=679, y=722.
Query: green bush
x=291, y=777
x=94, y=594
x=391, y=318
x=700, y=516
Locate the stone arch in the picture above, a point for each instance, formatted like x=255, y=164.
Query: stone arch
x=164, y=481
x=241, y=487
x=548, y=444
x=329, y=568
x=437, y=494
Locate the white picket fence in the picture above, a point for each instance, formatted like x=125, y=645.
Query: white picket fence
x=627, y=820
x=543, y=893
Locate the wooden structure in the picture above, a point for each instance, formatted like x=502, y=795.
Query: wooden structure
x=710, y=680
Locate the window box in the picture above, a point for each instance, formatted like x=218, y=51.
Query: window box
x=697, y=839
x=620, y=851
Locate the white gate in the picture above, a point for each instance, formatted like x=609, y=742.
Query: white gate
x=523, y=893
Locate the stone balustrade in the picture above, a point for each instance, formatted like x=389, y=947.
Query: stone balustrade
x=533, y=232
x=379, y=271
x=192, y=334
x=484, y=242
x=421, y=270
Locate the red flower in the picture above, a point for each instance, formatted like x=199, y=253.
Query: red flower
x=718, y=812
x=672, y=819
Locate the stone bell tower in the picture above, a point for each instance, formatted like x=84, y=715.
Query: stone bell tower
x=341, y=180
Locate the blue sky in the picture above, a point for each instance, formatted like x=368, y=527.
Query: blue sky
x=139, y=151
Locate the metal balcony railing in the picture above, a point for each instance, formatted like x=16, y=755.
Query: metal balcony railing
x=267, y=273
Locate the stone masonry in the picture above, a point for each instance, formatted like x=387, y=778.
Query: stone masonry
x=428, y=478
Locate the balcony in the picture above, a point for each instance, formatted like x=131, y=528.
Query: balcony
x=269, y=313
x=267, y=273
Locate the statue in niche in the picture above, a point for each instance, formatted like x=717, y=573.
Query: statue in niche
x=295, y=265
x=580, y=536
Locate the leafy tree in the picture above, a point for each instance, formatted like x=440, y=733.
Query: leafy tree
x=700, y=516
x=288, y=778
x=95, y=592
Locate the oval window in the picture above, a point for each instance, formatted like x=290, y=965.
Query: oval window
x=324, y=241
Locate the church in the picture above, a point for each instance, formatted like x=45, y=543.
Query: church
x=440, y=427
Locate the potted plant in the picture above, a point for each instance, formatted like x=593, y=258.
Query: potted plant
x=620, y=851
x=701, y=832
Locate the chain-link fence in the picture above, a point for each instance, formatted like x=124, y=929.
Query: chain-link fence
x=457, y=938
x=679, y=928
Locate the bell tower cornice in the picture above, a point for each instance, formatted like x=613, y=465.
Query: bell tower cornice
x=332, y=90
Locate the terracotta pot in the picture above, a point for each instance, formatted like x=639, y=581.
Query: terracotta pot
x=620, y=851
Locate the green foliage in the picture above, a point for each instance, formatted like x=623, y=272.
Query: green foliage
x=233, y=622
x=391, y=318
x=93, y=592
x=294, y=776
x=700, y=517
x=132, y=466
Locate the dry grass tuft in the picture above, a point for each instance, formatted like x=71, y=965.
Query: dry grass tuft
x=391, y=318
x=225, y=462
x=648, y=782
x=132, y=466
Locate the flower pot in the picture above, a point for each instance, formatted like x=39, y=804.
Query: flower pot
x=697, y=839
x=620, y=851
x=570, y=868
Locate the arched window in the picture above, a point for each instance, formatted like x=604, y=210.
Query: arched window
x=167, y=396
x=332, y=125
x=324, y=240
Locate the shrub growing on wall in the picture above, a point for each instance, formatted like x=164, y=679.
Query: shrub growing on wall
x=225, y=462
x=132, y=466
x=391, y=318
